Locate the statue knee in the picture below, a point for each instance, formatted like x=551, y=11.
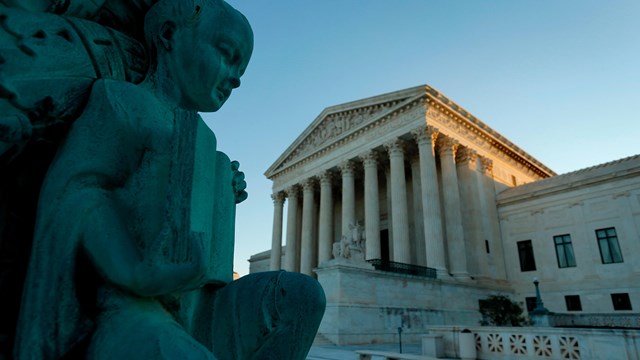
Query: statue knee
x=299, y=296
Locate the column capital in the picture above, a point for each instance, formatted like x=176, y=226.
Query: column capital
x=395, y=147
x=278, y=198
x=308, y=184
x=486, y=165
x=326, y=177
x=447, y=144
x=347, y=167
x=466, y=155
x=425, y=133
x=292, y=191
x=370, y=158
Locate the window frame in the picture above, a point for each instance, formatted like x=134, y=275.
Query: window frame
x=564, y=244
x=621, y=299
x=609, y=240
x=523, y=247
x=573, y=302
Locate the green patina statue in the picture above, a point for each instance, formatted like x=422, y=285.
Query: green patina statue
x=133, y=240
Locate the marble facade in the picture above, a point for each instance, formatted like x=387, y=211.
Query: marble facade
x=433, y=186
x=402, y=164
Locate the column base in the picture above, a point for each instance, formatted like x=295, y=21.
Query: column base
x=461, y=276
x=442, y=273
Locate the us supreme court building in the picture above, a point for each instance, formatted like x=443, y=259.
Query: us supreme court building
x=409, y=210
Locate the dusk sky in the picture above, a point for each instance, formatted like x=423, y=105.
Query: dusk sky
x=559, y=78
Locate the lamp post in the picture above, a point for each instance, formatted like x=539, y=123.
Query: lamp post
x=540, y=309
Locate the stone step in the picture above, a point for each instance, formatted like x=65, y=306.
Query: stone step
x=321, y=340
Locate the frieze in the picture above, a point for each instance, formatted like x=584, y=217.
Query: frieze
x=385, y=124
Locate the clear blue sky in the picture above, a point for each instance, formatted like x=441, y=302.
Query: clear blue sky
x=559, y=78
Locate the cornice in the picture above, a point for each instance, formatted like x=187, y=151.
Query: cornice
x=613, y=171
x=441, y=108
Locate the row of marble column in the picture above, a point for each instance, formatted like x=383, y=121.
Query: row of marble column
x=458, y=165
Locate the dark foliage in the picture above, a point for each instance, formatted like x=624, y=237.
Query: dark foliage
x=499, y=310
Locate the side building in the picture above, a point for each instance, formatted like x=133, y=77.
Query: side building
x=409, y=210
x=577, y=234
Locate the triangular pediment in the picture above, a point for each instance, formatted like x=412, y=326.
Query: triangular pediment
x=337, y=122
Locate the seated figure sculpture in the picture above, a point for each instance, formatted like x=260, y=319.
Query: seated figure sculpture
x=133, y=245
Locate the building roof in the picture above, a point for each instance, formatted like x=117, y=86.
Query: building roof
x=337, y=124
x=622, y=168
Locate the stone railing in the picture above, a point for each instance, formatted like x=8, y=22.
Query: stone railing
x=630, y=320
x=544, y=343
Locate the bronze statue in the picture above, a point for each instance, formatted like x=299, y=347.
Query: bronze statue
x=133, y=243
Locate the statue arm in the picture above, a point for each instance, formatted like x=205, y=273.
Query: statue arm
x=111, y=248
x=101, y=156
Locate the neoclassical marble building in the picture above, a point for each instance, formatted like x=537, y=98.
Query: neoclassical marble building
x=402, y=164
x=409, y=210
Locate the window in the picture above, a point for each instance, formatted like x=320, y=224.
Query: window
x=608, y=244
x=564, y=251
x=573, y=302
x=514, y=181
x=525, y=251
x=621, y=301
x=530, y=302
x=486, y=246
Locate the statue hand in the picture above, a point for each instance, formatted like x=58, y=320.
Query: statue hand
x=159, y=275
x=238, y=183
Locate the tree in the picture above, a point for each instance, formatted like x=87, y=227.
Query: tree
x=499, y=310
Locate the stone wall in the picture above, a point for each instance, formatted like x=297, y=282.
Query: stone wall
x=367, y=306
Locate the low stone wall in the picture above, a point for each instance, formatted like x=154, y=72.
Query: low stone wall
x=543, y=343
x=366, y=306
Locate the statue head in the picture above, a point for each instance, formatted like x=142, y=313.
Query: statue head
x=204, y=47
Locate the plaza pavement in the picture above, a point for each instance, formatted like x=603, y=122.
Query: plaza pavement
x=347, y=352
